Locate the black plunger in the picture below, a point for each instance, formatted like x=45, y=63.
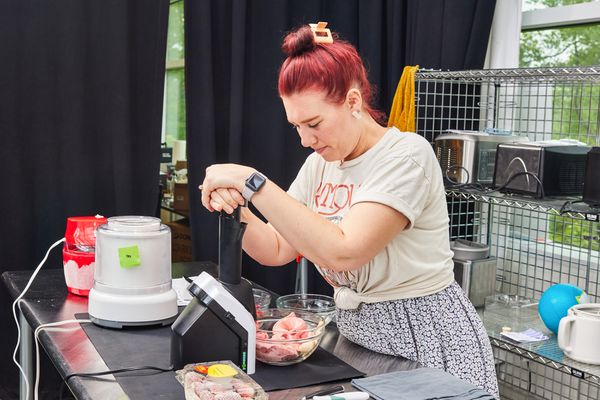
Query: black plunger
x=231, y=232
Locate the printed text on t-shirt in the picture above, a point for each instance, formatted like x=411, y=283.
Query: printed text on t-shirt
x=331, y=198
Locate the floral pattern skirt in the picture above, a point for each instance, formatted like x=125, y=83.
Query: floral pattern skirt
x=441, y=330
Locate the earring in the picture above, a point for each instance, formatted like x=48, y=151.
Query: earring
x=356, y=114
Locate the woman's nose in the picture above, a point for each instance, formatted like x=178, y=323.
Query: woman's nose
x=306, y=139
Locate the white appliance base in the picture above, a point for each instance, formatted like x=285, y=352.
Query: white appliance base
x=116, y=311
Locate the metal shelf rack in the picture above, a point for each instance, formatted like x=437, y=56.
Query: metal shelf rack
x=537, y=242
x=546, y=352
x=555, y=205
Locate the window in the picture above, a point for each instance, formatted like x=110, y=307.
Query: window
x=174, y=100
x=563, y=36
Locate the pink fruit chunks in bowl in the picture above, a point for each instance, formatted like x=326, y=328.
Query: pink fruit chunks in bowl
x=290, y=340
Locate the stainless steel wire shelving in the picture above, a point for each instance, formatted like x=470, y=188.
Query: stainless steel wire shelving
x=537, y=242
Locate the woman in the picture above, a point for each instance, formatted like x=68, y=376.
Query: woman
x=368, y=209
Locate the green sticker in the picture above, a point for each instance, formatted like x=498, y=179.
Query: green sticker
x=129, y=257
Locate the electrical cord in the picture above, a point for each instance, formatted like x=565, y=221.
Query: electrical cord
x=14, y=310
x=456, y=166
x=50, y=328
x=522, y=173
x=109, y=372
x=477, y=186
x=452, y=184
x=566, y=207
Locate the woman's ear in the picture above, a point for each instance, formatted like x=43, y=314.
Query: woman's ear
x=354, y=100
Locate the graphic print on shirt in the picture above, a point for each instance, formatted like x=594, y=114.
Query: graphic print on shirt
x=333, y=201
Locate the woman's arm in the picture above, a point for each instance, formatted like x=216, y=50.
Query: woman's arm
x=364, y=231
x=263, y=243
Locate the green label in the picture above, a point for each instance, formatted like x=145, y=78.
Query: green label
x=129, y=257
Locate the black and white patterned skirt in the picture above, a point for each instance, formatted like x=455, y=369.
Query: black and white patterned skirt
x=441, y=330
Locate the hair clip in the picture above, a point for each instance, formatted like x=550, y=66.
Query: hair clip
x=321, y=33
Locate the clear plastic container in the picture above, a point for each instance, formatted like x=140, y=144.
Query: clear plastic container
x=516, y=312
x=218, y=380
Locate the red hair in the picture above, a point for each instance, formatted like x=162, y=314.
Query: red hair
x=333, y=68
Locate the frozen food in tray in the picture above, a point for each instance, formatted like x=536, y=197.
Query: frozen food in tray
x=218, y=380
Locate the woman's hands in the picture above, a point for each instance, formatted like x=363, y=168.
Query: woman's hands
x=222, y=186
x=221, y=191
x=225, y=200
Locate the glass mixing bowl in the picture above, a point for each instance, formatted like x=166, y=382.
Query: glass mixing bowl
x=323, y=306
x=285, y=337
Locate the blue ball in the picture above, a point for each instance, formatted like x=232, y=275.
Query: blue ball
x=556, y=301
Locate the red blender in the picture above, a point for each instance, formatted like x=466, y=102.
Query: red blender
x=79, y=253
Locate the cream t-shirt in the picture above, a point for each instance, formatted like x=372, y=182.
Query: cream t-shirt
x=402, y=172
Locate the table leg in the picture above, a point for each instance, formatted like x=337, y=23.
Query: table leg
x=26, y=358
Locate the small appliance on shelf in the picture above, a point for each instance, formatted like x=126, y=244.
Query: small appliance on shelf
x=579, y=331
x=543, y=168
x=591, y=184
x=469, y=156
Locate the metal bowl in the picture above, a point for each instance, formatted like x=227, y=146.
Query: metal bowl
x=467, y=250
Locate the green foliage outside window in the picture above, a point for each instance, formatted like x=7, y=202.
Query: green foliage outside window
x=568, y=46
x=175, y=105
x=573, y=232
x=575, y=108
x=175, y=121
x=576, y=112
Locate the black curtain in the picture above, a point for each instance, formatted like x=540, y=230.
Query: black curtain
x=81, y=89
x=233, y=55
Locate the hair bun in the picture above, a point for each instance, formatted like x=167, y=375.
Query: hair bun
x=298, y=42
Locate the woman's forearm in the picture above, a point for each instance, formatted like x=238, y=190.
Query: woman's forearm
x=262, y=242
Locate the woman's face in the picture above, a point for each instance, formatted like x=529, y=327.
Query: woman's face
x=323, y=126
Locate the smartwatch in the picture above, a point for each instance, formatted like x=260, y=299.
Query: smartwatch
x=253, y=185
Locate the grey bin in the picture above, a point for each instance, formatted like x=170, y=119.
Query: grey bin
x=474, y=271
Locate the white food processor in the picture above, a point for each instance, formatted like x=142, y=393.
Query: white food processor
x=132, y=279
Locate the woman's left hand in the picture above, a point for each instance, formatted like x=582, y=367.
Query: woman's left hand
x=222, y=186
x=226, y=200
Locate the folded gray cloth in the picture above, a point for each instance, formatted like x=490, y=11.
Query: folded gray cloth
x=420, y=384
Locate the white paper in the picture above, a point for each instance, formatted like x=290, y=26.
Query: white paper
x=180, y=286
x=530, y=335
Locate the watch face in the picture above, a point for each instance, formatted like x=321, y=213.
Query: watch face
x=255, y=181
